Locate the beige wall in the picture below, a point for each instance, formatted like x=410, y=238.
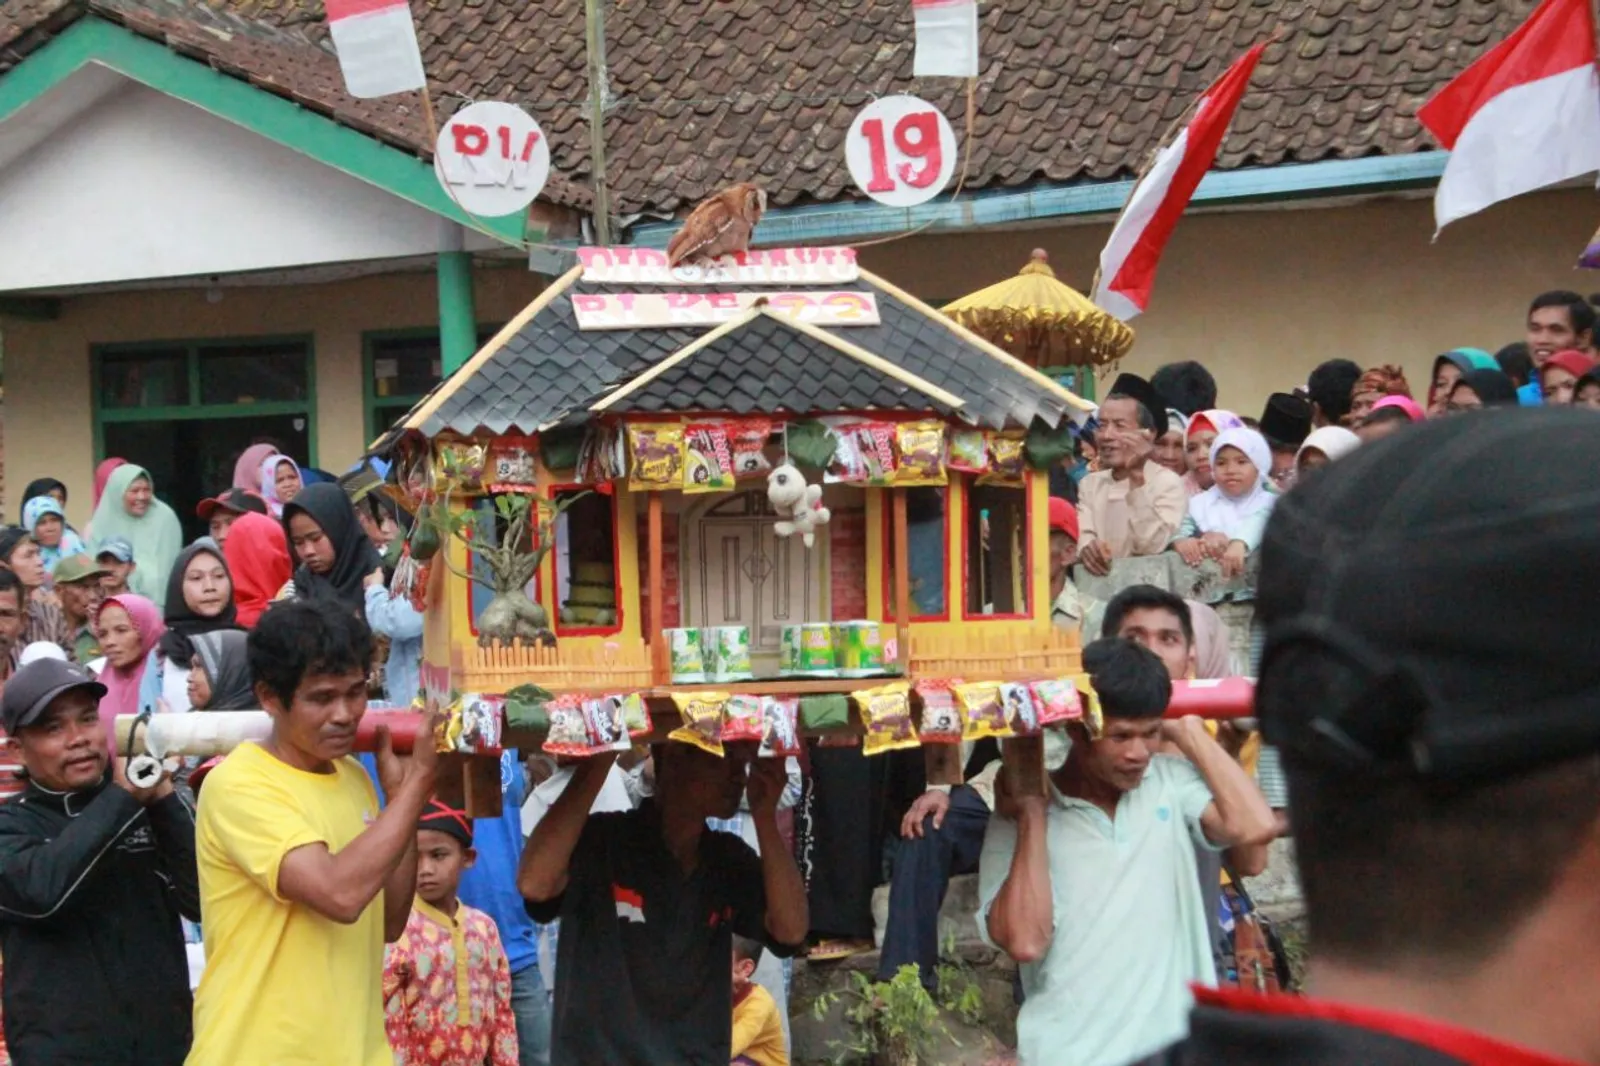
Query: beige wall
x=47, y=380
x=1263, y=296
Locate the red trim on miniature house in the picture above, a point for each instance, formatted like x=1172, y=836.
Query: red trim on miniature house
x=944, y=564
x=551, y=491
x=1027, y=554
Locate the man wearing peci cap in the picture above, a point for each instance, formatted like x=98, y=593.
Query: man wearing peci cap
x=115, y=555
x=78, y=587
x=1286, y=423
x=94, y=874
x=222, y=510
x=1132, y=505
x=1444, y=770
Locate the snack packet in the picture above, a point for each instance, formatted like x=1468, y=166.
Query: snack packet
x=742, y=719
x=459, y=464
x=569, y=734
x=780, y=732
x=983, y=713
x=708, y=465
x=511, y=464
x=886, y=714
x=657, y=457
x=969, y=450
x=1057, y=702
x=1007, y=459
x=1021, y=710
x=636, y=714
x=1093, y=720
x=941, y=721
x=591, y=458
x=608, y=729
x=702, y=720
x=748, y=440
x=919, y=453
x=864, y=455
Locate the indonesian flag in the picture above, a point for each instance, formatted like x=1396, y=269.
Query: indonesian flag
x=377, y=46
x=1590, y=258
x=1128, y=262
x=1525, y=115
x=947, y=38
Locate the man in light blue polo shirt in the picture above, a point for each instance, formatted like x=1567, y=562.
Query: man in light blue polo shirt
x=1094, y=889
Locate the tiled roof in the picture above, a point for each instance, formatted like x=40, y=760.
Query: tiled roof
x=548, y=372
x=708, y=92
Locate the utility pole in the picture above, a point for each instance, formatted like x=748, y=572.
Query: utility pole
x=595, y=35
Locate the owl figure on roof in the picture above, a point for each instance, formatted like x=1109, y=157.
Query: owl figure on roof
x=720, y=226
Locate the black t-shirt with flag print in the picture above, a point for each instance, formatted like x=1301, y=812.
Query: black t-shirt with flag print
x=643, y=967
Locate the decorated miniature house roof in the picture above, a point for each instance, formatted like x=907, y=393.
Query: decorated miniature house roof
x=595, y=343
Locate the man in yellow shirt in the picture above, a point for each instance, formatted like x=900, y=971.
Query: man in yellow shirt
x=294, y=856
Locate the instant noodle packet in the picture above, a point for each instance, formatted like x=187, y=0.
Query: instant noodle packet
x=886, y=714
x=702, y=720
x=983, y=712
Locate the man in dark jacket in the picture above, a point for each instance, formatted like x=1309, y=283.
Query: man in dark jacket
x=94, y=873
x=1436, y=701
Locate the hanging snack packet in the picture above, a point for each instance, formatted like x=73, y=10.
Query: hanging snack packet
x=749, y=445
x=864, y=454
x=511, y=464
x=1093, y=720
x=459, y=464
x=780, y=732
x=636, y=714
x=1057, y=701
x=591, y=469
x=657, y=457
x=1021, y=710
x=886, y=714
x=569, y=734
x=919, y=453
x=742, y=719
x=983, y=712
x=969, y=450
x=941, y=721
x=708, y=465
x=1007, y=459
x=608, y=729
x=702, y=720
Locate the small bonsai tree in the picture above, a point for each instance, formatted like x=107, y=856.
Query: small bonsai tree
x=510, y=562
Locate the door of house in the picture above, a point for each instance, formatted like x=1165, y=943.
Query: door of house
x=740, y=573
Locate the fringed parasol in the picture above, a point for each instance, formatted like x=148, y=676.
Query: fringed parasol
x=1043, y=321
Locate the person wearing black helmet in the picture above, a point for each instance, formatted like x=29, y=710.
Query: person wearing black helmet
x=1436, y=702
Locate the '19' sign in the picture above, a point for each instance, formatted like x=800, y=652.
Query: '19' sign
x=492, y=159
x=901, y=151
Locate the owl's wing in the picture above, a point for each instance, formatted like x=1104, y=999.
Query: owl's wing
x=704, y=226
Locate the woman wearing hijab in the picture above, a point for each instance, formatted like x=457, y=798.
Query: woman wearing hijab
x=130, y=628
x=46, y=523
x=1203, y=429
x=333, y=556
x=102, y=474
x=247, y=470
x=220, y=678
x=1226, y=521
x=199, y=600
x=1169, y=446
x=129, y=509
x=1323, y=446
x=1478, y=389
x=1447, y=370
x=45, y=486
x=281, y=482
x=258, y=561
x=1559, y=375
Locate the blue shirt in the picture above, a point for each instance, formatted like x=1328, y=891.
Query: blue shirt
x=1530, y=395
x=491, y=884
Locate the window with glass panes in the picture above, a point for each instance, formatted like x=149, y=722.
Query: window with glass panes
x=401, y=367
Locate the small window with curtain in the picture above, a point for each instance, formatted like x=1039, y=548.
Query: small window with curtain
x=586, y=563
x=998, y=575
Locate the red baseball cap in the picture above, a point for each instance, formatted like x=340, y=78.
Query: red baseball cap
x=238, y=501
x=1063, y=517
x=1571, y=360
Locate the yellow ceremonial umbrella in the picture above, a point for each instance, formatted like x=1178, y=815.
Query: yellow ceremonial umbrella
x=1042, y=321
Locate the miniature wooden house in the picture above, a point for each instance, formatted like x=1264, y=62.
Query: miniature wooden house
x=775, y=347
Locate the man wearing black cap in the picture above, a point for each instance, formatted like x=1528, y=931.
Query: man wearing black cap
x=220, y=511
x=1444, y=771
x=1286, y=423
x=94, y=874
x=1132, y=505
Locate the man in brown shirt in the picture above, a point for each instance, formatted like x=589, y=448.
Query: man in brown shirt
x=45, y=622
x=1132, y=505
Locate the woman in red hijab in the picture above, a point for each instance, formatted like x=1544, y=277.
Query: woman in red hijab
x=258, y=558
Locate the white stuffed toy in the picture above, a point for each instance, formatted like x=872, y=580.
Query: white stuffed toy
x=799, y=505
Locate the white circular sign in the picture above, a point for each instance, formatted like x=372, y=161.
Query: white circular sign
x=492, y=158
x=901, y=151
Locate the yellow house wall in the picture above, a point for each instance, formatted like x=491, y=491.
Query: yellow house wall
x=1262, y=296
x=48, y=428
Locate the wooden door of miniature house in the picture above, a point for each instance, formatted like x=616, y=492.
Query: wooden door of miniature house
x=738, y=572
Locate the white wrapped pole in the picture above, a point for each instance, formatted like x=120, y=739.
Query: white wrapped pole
x=200, y=733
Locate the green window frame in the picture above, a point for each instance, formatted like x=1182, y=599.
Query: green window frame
x=193, y=353
x=372, y=343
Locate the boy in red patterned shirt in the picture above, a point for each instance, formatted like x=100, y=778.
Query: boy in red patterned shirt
x=446, y=981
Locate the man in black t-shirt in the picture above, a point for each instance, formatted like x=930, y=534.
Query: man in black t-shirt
x=649, y=901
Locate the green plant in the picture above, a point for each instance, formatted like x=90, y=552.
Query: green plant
x=895, y=1022
x=958, y=990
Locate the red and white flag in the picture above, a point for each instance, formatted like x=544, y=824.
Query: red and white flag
x=1128, y=262
x=947, y=38
x=1525, y=115
x=377, y=46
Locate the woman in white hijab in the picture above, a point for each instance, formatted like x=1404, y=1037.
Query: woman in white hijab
x=1225, y=522
x=1323, y=447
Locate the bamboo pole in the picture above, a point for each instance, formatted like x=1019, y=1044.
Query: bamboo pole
x=660, y=669
x=595, y=41
x=902, y=574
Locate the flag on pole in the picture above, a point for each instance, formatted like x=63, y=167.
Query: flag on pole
x=1525, y=115
x=1128, y=262
x=947, y=38
x=1590, y=259
x=377, y=46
